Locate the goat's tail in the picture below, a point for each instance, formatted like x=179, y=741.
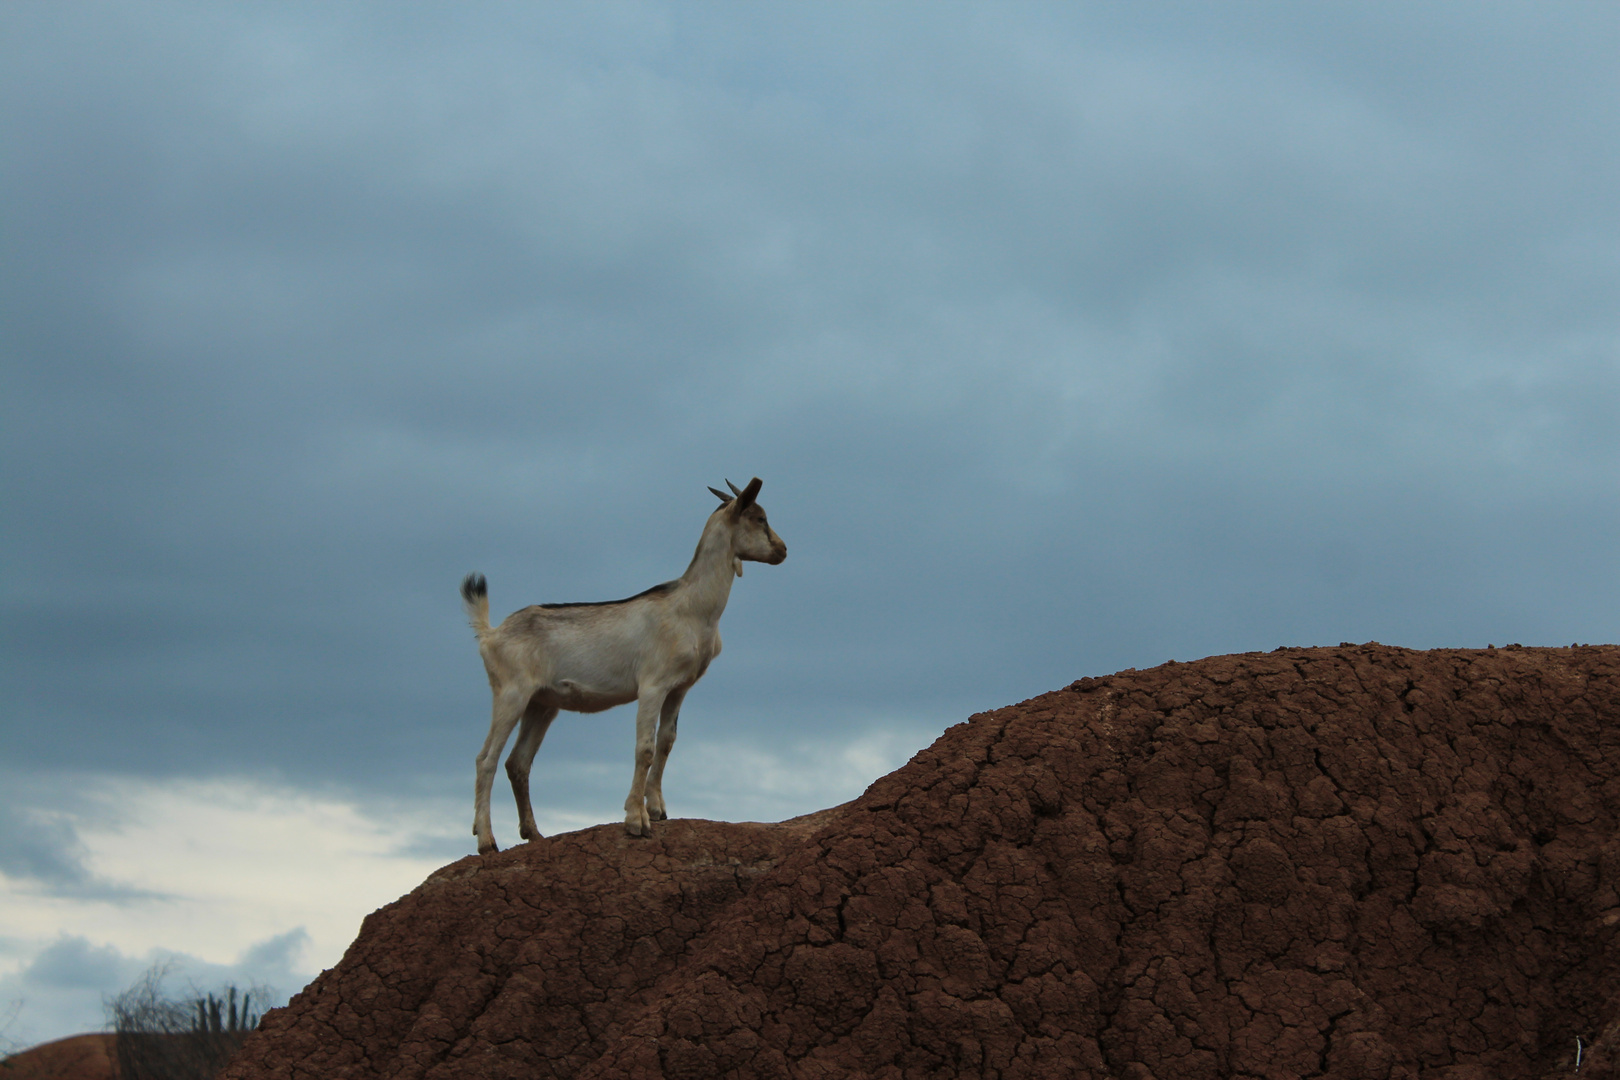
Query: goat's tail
x=475, y=595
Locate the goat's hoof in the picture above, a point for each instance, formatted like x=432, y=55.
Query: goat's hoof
x=529, y=832
x=638, y=822
x=489, y=848
x=657, y=815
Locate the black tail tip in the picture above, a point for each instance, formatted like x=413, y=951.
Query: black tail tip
x=474, y=588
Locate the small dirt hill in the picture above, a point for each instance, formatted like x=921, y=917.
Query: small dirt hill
x=78, y=1057
x=1353, y=862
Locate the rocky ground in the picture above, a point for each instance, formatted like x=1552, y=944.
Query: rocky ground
x=1347, y=862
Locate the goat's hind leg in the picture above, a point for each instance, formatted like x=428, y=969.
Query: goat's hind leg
x=536, y=719
x=508, y=708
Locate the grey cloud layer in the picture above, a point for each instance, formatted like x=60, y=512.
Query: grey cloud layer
x=1065, y=338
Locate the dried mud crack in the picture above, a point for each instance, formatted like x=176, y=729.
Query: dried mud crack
x=1339, y=862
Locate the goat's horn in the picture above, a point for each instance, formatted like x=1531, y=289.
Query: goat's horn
x=733, y=488
x=722, y=496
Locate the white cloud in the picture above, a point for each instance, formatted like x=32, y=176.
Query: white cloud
x=229, y=862
x=232, y=880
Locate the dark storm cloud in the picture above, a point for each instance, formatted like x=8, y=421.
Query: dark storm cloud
x=1065, y=338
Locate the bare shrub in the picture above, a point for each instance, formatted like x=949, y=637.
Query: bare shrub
x=192, y=1038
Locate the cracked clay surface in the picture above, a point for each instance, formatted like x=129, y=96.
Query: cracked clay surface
x=1343, y=862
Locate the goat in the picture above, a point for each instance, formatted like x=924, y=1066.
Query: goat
x=649, y=648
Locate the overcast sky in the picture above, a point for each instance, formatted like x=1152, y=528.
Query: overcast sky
x=1065, y=338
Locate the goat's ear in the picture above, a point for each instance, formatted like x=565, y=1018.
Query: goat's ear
x=746, y=497
x=722, y=496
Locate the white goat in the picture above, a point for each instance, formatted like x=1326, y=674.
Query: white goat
x=649, y=648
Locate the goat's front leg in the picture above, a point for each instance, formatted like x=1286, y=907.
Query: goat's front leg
x=636, y=821
x=668, y=716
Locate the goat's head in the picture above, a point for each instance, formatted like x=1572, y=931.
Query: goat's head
x=752, y=537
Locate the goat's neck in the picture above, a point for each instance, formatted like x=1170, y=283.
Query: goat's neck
x=706, y=585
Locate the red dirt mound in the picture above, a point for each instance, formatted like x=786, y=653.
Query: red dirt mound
x=1352, y=862
x=77, y=1057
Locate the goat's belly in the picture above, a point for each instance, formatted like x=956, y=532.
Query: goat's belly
x=587, y=699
